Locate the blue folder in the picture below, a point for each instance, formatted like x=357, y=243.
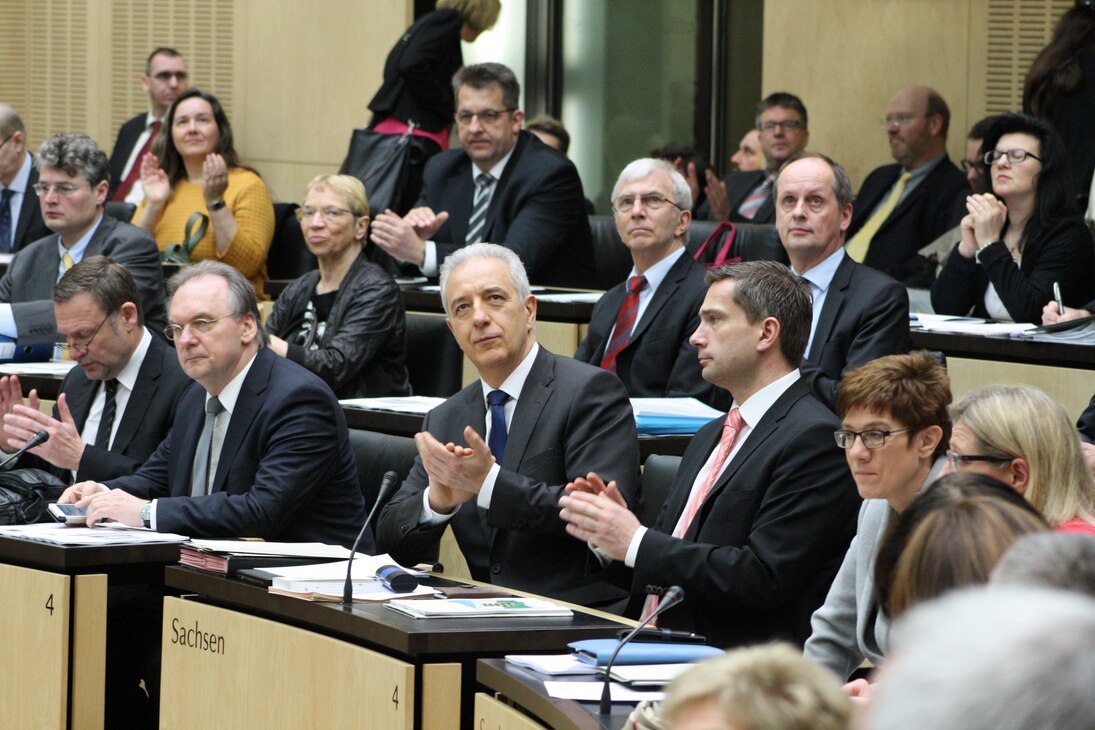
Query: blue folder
x=598, y=651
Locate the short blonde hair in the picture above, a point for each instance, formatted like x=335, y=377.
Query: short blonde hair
x=479, y=15
x=348, y=186
x=770, y=686
x=1020, y=421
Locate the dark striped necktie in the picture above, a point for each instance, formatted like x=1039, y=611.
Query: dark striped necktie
x=484, y=186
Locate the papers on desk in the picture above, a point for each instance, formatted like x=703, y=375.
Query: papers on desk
x=648, y=675
x=1081, y=335
x=110, y=533
x=55, y=368
x=581, y=297
x=557, y=665
x=229, y=556
x=968, y=325
x=591, y=692
x=325, y=581
x=480, y=608
x=416, y=404
x=671, y=415
x=597, y=652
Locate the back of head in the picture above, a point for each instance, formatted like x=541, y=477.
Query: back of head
x=915, y=389
x=1056, y=68
x=241, y=292
x=109, y=284
x=549, y=125
x=485, y=75
x=952, y=535
x=1050, y=560
x=76, y=155
x=479, y=15
x=771, y=687
x=996, y=658
x=1020, y=421
x=10, y=122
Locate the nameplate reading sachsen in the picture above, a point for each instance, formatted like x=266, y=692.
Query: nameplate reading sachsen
x=195, y=638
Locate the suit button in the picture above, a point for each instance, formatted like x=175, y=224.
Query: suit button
x=496, y=568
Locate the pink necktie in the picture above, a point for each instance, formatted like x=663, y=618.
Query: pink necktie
x=749, y=208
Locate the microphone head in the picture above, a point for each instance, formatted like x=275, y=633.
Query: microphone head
x=390, y=478
x=674, y=595
x=38, y=439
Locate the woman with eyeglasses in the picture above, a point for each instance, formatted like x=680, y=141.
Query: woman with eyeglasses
x=1024, y=438
x=894, y=430
x=198, y=194
x=1022, y=238
x=346, y=321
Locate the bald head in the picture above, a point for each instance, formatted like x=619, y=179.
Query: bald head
x=916, y=124
x=13, y=137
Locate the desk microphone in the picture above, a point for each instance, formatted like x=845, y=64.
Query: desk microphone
x=672, y=597
x=390, y=478
x=36, y=440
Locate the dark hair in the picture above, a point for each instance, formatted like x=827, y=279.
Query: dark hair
x=547, y=124
x=937, y=105
x=674, y=150
x=162, y=50
x=171, y=161
x=485, y=75
x=951, y=535
x=109, y=284
x=76, y=154
x=785, y=101
x=770, y=289
x=1053, y=195
x=1056, y=69
x=981, y=127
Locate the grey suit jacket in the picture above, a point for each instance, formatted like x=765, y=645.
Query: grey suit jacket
x=570, y=419
x=28, y=283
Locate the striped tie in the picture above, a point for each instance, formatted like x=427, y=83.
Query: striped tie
x=857, y=247
x=749, y=208
x=625, y=323
x=484, y=186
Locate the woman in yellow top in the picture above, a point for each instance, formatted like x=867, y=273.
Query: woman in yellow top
x=198, y=170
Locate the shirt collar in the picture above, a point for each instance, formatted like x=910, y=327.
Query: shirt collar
x=919, y=173
x=656, y=273
x=753, y=409
x=498, y=169
x=231, y=392
x=19, y=182
x=78, y=248
x=515, y=382
x=128, y=374
x=822, y=275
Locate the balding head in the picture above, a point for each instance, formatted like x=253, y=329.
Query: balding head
x=917, y=123
x=13, y=137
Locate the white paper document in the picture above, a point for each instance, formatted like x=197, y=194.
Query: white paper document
x=256, y=547
x=554, y=664
x=968, y=325
x=54, y=367
x=591, y=692
x=417, y=404
x=108, y=534
x=587, y=297
x=683, y=407
x=365, y=566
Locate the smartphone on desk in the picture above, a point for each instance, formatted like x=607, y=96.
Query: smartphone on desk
x=70, y=514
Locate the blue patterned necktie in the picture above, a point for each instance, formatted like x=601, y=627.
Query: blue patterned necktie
x=497, y=439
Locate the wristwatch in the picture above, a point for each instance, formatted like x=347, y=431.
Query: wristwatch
x=214, y=207
x=146, y=514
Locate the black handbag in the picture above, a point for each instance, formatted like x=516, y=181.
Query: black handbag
x=380, y=161
x=24, y=494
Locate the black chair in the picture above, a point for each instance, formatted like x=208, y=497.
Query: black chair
x=659, y=471
x=120, y=210
x=289, y=256
x=611, y=259
x=752, y=242
x=435, y=364
x=698, y=232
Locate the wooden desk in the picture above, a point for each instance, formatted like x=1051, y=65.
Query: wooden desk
x=512, y=698
x=392, y=670
x=54, y=606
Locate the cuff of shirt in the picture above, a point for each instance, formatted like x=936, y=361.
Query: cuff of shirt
x=8, y=327
x=428, y=516
x=152, y=516
x=429, y=260
x=486, y=491
x=633, y=548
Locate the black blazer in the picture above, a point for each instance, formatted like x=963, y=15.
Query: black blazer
x=738, y=187
x=418, y=73
x=537, y=209
x=571, y=419
x=658, y=362
x=865, y=316
x=286, y=469
x=30, y=227
x=763, y=549
x=925, y=214
x=128, y=134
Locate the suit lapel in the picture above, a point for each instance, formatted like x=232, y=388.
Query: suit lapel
x=98, y=239
x=463, y=182
x=79, y=403
x=500, y=187
x=534, y=396
x=834, y=302
x=247, y=407
x=607, y=309
x=143, y=392
x=669, y=286
x=29, y=209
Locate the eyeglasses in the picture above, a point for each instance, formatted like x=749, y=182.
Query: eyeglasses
x=650, y=201
x=957, y=461
x=788, y=126
x=1014, y=156
x=83, y=346
x=967, y=166
x=486, y=117
x=168, y=75
x=873, y=439
x=331, y=215
x=900, y=120
x=63, y=190
x=197, y=327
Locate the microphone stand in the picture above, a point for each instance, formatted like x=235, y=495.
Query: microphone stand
x=672, y=597
x=36, y=440
x=390, y=478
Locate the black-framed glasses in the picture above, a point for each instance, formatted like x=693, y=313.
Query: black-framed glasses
x=197, y=326
x=978, y=165
x=1014, y=156
x=790, y=125
x=165, y=76
x=872, y=439
x=649, y=201
x=69, y=345
x=957, y=461
x=331, y=215
x=485, y=117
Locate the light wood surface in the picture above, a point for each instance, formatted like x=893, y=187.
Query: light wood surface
x=89, y=650
x=491, y=714
x=441, y=697
x=274, y=675
x=1070, y=387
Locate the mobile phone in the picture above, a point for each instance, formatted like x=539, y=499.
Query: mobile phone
x=70, y=514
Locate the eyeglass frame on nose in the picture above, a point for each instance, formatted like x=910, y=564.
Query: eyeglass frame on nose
x=199, y=326
x=994, y=156
x=165, y=76
x=486, y=117
x=954, y=459
x=900, y=120
x=329, y=214
x=63, y=189
x=874, y=435
x=83, y=346
x=647, y=201
x=787, y=125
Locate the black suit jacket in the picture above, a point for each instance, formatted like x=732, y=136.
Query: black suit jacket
x=865, y=316
x=286, y=469
x=763, y=549
x=30, y=226
x=925, y=214
x=537, y=209
x=570, y=419
x=738, y=187
x=28, y=283
x=128, y=134
x=658, y=362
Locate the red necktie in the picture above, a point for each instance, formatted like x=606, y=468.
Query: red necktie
x=135, y=171
x=749, y=208
x=625, y=322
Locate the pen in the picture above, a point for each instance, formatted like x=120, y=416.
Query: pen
x=1057, y=296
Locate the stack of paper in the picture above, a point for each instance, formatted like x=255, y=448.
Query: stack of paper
x=326, y=581
x=228, y=556
x=414, y=404
x=480, y=607
x=671, y=415
x=109, y=533
x=554, y=664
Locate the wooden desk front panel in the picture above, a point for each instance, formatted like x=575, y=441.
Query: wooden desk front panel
x=492, y=714
x=248, y=672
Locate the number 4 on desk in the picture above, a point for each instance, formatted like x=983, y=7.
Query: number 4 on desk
x=395, y=696
x=49, y=604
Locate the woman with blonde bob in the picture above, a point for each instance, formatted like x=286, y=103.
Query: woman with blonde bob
x=1021, y=436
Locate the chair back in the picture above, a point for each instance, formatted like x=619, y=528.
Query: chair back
x=659, y=471
x=288, y=257
x=435, y=363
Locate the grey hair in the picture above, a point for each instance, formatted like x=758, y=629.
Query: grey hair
x=1049, y=560
x=76, y=154
x=640, y=168
x=10, y=121
x=485, y=251
x=842, y=182
x=990, y=658
x=241, y=292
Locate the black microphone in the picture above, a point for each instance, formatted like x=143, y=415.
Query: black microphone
x=396, y=580
x=37, y=439
x=672, y=597
x=390, y=478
